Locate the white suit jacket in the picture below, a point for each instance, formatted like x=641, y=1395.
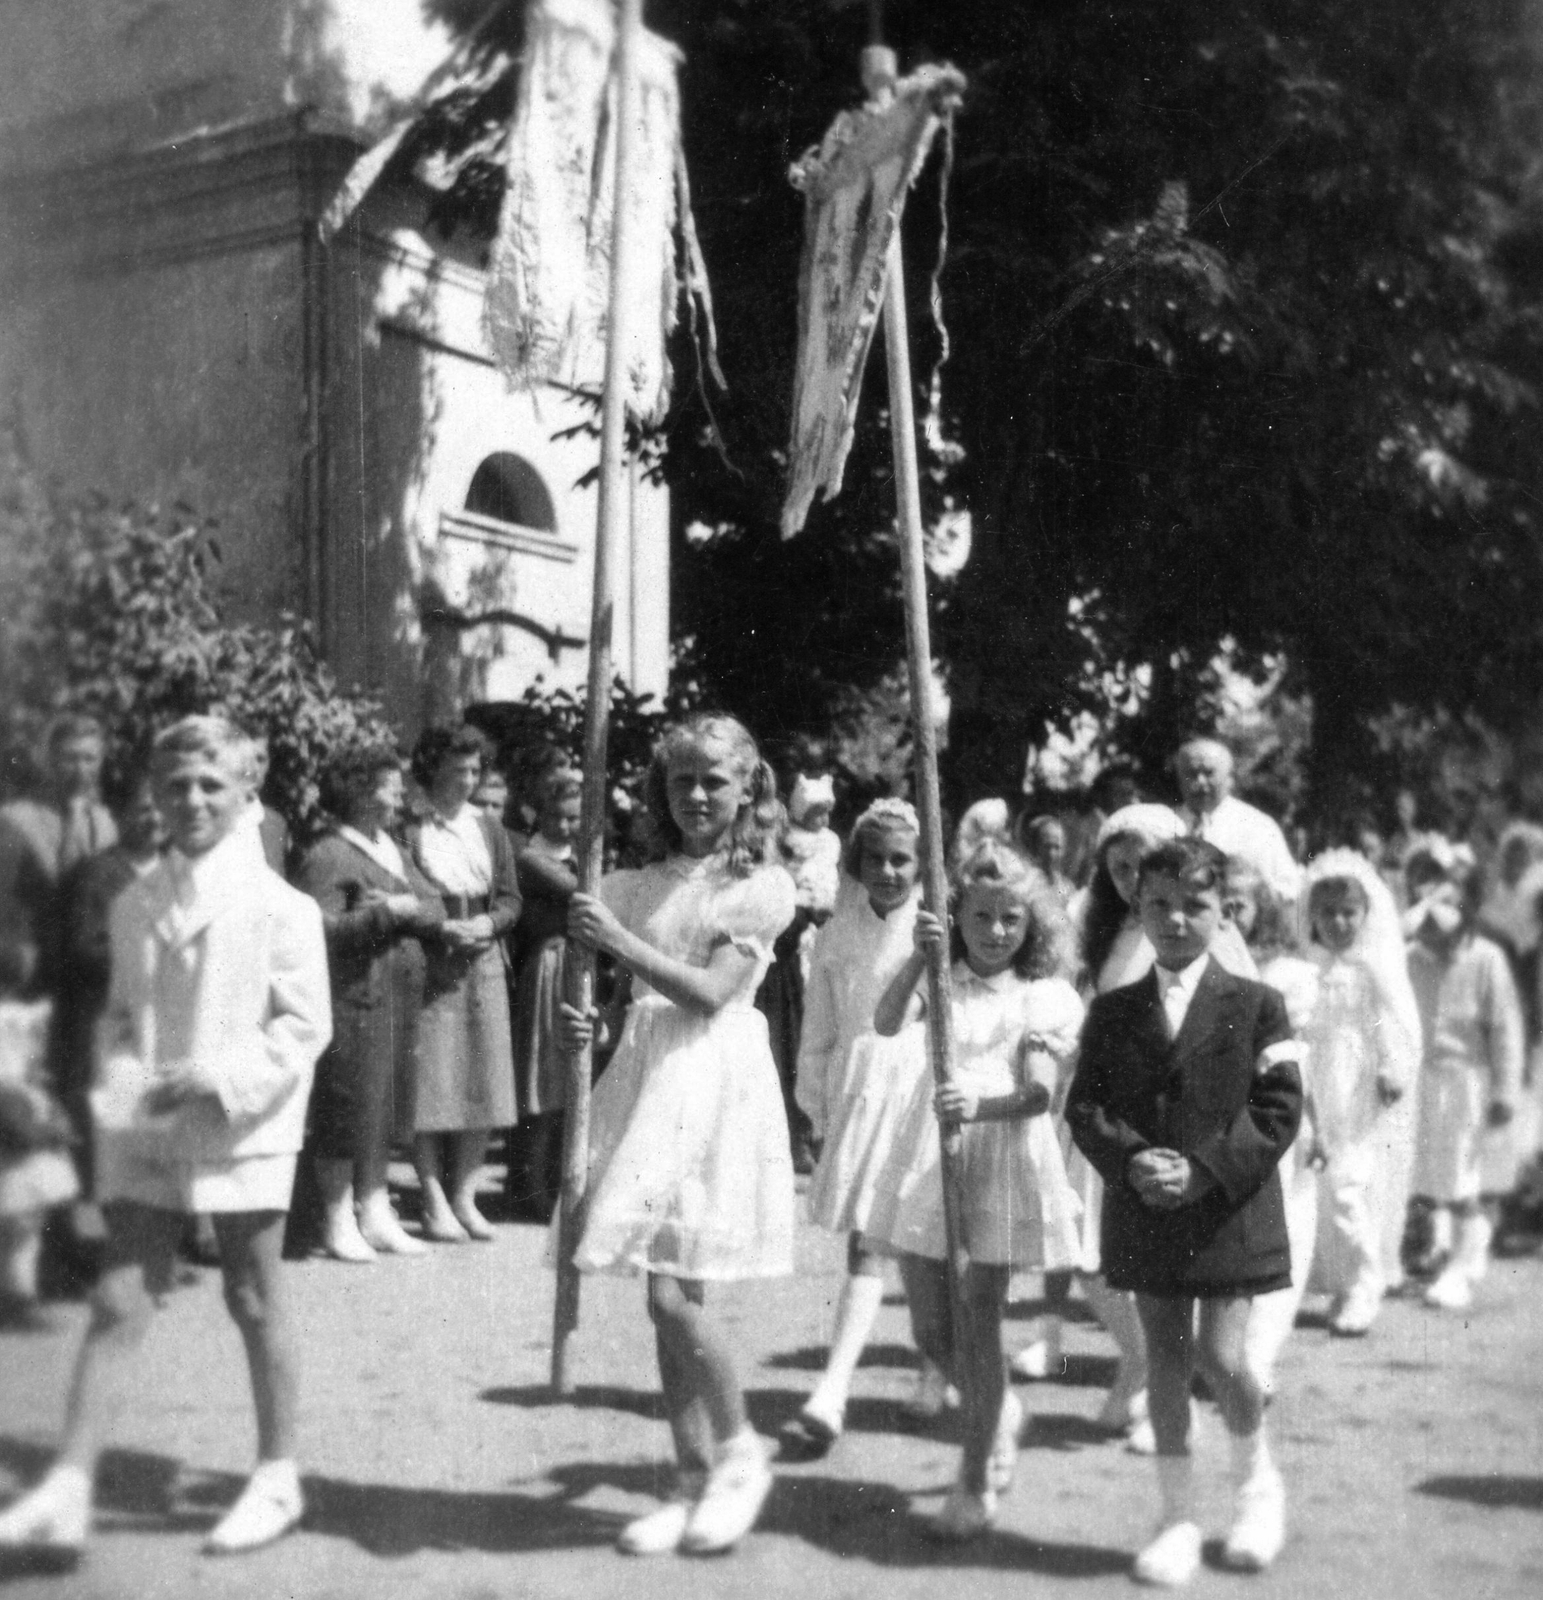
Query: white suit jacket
x=219, y=963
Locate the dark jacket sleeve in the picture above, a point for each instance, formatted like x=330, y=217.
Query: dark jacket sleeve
x=1106, y=1140
x=540, y=875
x=350, y=930
x=1242, y=1155
x=504, y=898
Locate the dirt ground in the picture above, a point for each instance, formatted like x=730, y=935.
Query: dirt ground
x=438, y=1464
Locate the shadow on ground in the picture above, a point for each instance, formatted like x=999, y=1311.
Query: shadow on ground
x=865, y=1521
x=1498, y=1492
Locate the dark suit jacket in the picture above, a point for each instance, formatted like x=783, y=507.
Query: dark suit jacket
x=1211, y=1095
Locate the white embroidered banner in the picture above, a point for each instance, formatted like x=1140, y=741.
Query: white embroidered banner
x=547, y=297
x=855, y=184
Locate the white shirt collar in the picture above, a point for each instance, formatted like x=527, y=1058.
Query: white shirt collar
x=1186, y=979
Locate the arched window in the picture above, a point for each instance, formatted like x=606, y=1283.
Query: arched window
x=508, y=489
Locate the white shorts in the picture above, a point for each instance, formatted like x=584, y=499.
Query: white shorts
x=249, y=1183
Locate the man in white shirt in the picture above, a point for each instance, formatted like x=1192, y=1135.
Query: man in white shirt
x=1212, y=812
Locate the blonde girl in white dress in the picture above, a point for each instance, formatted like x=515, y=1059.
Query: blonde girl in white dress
x=690, y=1179
x=853, y=1085
x=1015, y=1025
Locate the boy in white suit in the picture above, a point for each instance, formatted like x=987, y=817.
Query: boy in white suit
x=218, y=1010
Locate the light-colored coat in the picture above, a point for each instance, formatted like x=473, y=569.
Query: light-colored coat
x=221, y=964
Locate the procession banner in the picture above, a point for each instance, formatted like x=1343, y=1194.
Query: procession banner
x=546, y=308
x=855, y=184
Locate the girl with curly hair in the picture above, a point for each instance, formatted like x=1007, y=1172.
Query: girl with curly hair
x=1015, y=1025
x=690, y=1178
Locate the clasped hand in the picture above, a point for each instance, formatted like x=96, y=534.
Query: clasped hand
x=955, y=1105
x=1165, y=1180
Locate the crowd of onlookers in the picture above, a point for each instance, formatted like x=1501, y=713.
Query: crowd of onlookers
x=445, y=902
x=1192, y=1073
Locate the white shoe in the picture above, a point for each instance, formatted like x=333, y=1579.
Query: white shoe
x=1172, y=1558
x=269, y=1507
x=1259, y=1529
x=1142, y=1440
x=1355, y=1317
x=933, y=1394
x=53, y=1519
x=382, y=1230
x=736, y=1490
x=1124, y=1407
x=964, y=1515
x=1041, y=1358
x=344, y=1242
x=1002, y=1463
x=660, y=1532
x=1452, y=1291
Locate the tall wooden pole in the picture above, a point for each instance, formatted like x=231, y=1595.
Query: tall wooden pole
x=609, y=536
x=879, y=72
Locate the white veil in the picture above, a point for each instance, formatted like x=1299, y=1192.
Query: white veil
x=1379, y=946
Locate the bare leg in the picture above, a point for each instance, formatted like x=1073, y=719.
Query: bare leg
x=932, y=1327
x=467, y=1150
x=687, y=1412
x=983, y=1371
x=142, y=1254
x=251, y=1247
x=428, y=1157
x=1116, y=1310
x=700, y=1355
x=1169, y=1326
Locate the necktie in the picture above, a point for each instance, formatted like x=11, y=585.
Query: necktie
x=75, y=840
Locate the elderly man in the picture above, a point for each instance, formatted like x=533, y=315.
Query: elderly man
x=1212, y=812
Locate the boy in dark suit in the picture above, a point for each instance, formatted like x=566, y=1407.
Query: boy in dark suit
x=1186, y=1097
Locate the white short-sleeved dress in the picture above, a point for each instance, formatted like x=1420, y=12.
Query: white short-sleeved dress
x=1019, y=1209
x=689, y=1167
x=854, y=1085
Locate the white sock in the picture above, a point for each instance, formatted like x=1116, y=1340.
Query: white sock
x=747, y=1442
x=861, y=1297
x=1176, y=1485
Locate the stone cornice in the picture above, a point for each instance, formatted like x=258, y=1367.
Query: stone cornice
x=220, y=189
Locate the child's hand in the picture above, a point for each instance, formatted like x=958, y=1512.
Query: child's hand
x=1164, y=1180
x=592, y=922
x=1389, y=1090
x=1317, y=1156
x=931, y=933
x=576, y=1028
x=1500, y=1113
x=956, y=1105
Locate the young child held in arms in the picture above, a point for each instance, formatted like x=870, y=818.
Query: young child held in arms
x=1186, y=1097
x=1015, y=1020
x=218, y=1010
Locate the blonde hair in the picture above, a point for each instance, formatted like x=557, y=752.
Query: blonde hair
x=755, y=831
x=216, y=738
x=995, y=864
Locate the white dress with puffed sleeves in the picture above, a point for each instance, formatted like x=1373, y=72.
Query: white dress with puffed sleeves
x=1019, y=1209
x=689, y=1169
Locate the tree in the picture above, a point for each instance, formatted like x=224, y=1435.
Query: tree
x=114, y=611
x=1246, y=349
